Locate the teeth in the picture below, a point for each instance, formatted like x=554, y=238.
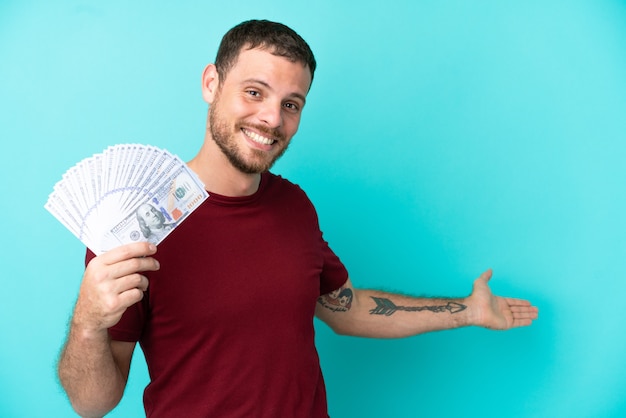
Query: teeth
x=258, y=138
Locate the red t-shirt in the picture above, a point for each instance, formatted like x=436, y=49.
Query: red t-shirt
x=227, y=322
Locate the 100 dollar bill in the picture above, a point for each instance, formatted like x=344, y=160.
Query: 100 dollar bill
x=158, y=213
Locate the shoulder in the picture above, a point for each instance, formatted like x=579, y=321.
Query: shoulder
x=277, y=184
x=276, y=180
x=285, y=193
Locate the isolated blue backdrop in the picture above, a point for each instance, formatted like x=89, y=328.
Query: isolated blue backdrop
x=440, y=138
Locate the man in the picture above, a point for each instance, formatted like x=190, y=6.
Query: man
x=225, y=316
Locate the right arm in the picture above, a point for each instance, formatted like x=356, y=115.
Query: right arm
x=93, y=369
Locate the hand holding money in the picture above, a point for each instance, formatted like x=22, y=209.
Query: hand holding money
x=112, y=282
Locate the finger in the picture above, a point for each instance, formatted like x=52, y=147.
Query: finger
x=523, y=308
x=143, y=283
x=521, y=322
x=128, y=251
x=132, y=281
x=130, y=297
x=485, y=276
x=517, y=302
x=525, y=313
x=134, y=265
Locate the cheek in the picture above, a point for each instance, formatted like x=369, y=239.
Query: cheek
x=241, y=108
x=235, y=108
x=291, y=123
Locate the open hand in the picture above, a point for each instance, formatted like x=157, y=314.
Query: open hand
x=495, y=312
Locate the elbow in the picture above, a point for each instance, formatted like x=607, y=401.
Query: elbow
x=92, y=403
x=342, y=332
x=348, y=329
x=87, y=412
x=89, y=398
x=91, y=409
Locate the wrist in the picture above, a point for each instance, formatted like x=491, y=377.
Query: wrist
x=471, y=316
x=460, y=310
x=85, y=333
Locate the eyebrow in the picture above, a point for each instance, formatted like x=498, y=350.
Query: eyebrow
x=265, y=84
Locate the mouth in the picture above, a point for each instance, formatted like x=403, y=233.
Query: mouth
x=259, y=139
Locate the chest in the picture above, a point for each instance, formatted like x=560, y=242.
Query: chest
x=229, y=268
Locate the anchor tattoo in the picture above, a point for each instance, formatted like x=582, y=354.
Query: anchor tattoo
x=386, y=307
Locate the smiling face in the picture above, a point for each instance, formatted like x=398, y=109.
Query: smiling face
x=255, y=111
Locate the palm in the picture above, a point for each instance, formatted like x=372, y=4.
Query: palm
x=495, y=312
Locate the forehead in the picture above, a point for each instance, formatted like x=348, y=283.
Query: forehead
x=277, y=71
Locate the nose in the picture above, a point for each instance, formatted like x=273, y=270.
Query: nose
x=271, y=114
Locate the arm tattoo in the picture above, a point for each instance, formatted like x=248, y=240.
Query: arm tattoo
x=339, y=300
x=386, y=307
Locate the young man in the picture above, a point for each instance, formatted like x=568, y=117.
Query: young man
x=225, y=316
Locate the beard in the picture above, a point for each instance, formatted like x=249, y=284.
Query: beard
x=257, y=161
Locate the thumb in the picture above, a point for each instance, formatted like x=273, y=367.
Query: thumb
x=485, y=276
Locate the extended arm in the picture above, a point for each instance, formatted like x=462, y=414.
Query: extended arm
x=93, y=369
x=370, y=313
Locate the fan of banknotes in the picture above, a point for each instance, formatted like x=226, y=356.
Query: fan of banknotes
x=126, y=193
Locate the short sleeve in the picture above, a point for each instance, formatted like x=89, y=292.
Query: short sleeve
x=334, y=274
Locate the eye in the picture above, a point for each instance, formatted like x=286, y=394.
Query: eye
x=293, y=107
x=253, y=93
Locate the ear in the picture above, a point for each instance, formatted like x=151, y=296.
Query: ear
x=210, y=83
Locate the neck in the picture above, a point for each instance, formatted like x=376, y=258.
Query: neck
x=218, y=174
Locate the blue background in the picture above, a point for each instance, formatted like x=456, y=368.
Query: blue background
x=440, y=138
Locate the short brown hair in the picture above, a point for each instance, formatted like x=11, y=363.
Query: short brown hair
x=275, y=37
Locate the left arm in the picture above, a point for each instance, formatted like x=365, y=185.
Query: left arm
x=375, y=314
